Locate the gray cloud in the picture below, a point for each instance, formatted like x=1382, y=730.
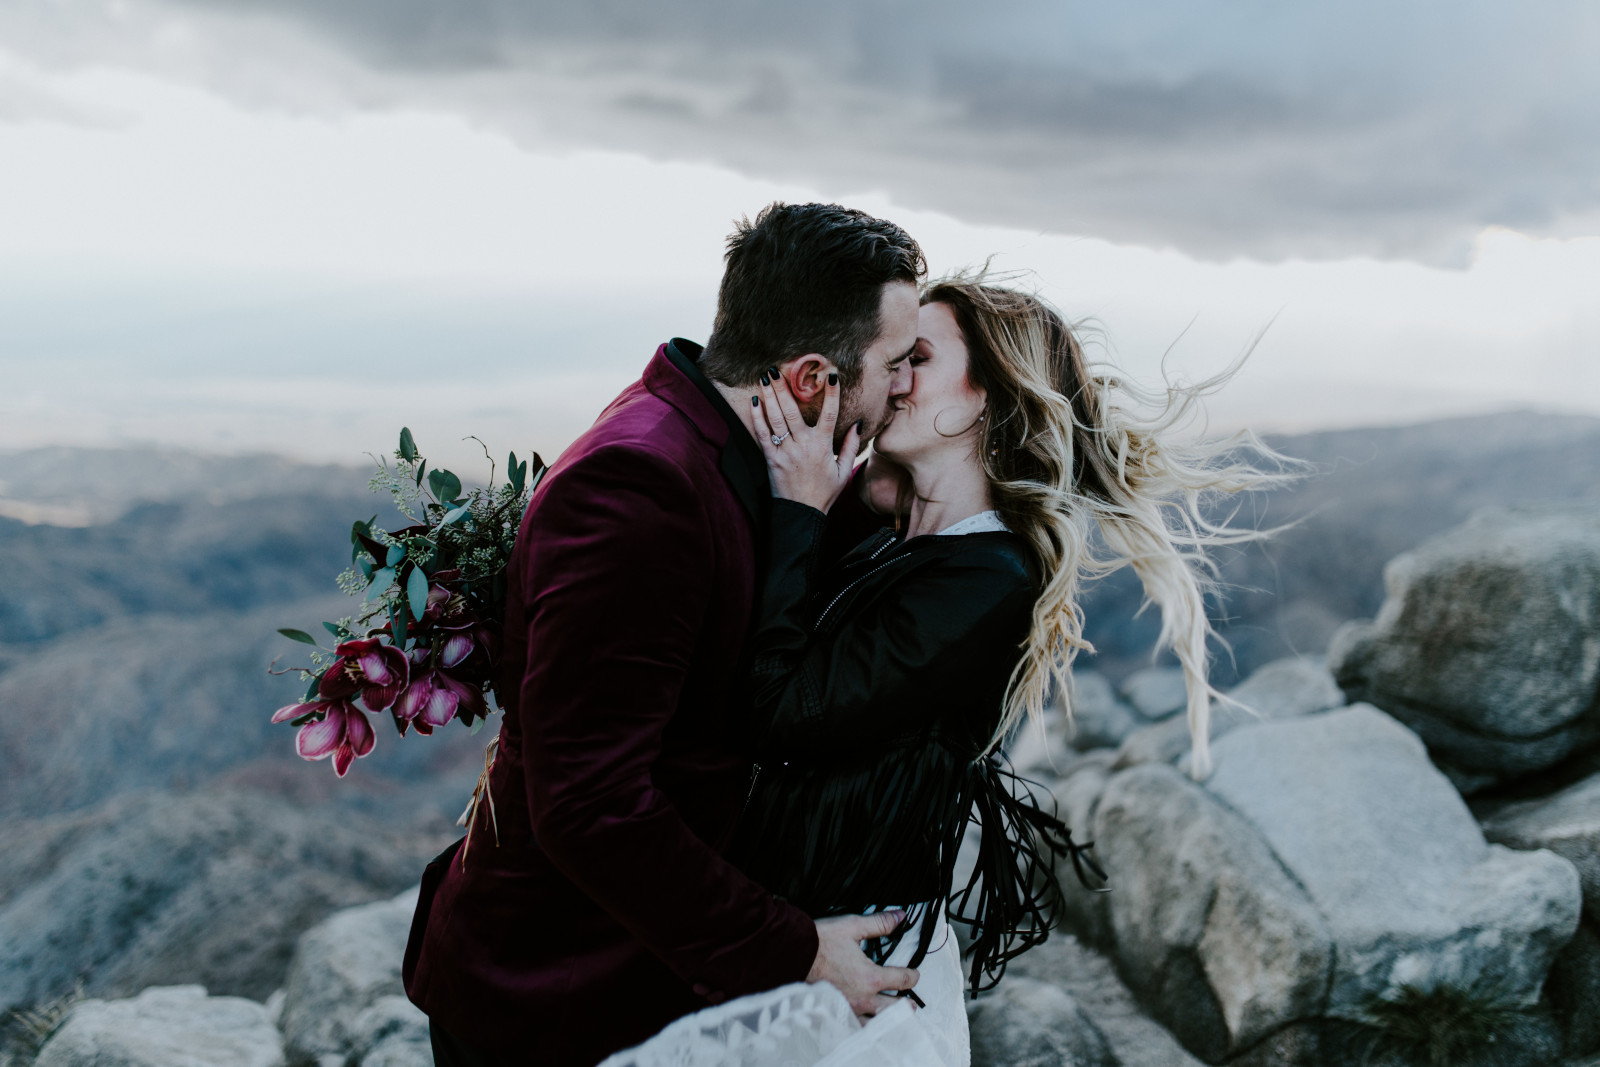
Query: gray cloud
x=1236, y=128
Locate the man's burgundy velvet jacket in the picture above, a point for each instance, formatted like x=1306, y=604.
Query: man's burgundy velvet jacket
x=607, y=909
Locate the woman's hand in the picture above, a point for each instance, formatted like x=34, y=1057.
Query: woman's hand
x=800, y=458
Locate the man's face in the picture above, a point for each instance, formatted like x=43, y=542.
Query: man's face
x=885, y=367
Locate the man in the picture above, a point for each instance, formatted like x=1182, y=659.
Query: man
x=592, y=905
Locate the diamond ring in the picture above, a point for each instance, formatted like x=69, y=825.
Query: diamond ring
x=778, y=439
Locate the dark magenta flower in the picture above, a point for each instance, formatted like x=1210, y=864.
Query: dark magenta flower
x=434, y=698
x=343, y=732
x=379, y=670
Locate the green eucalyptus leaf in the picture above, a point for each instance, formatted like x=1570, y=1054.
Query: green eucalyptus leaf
x=395, y=555
x=311, y=690
x=339, y=632
x=456, y=515
x=398, y=625
x=301, y=636
x=445, y=486
x=366, y=568
x=381, y=579
x=421, y=470
x=408, y=445
x=417, y=592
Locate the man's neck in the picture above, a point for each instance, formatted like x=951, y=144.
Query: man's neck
x=738, y=399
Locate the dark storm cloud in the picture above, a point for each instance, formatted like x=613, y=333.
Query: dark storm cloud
x=1242, y=127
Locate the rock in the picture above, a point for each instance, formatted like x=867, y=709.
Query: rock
x=156, y=889
x=1155, y=692
x=1283, y=689
x=1028, y=1023
x=1099, y=719
x=1574, y=990
x=171, y=1026
x=1388, y=852
x=1567, y=823
x=1077, y=798
x=1208, y=929
x=1326, y=870
x=1488, y=644
x=396, y=1033
x=343, y=997
x=1091, y=979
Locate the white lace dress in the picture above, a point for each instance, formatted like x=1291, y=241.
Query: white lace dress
x=811, y=1025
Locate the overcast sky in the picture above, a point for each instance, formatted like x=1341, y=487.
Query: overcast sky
x=296, y=223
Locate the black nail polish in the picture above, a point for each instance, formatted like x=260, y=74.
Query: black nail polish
x=763, y=379
x=773, y=371
x=858, y=425
x=833, y=379
x=755, y=401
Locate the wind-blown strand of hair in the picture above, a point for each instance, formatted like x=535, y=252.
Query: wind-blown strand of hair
x=1068, y=448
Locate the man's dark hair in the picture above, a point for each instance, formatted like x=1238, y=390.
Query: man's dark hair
x=805, y=278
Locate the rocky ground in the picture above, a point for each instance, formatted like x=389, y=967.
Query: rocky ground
x=1395, y=862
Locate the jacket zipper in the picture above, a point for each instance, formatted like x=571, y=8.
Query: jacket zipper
x=875, y=554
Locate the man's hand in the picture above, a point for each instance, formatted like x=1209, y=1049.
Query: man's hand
x=841, y=961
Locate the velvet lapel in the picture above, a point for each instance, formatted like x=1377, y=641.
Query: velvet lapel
x=690, y=392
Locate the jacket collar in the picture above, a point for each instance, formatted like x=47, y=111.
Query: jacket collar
x=674, y=376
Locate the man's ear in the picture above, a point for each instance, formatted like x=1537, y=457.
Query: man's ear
x=807, y=378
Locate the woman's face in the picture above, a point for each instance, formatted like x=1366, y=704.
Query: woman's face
x=940, y=414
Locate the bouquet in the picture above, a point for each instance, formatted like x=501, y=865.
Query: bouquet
x=422, y=644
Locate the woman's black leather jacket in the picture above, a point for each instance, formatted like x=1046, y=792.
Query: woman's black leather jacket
x=878, y=682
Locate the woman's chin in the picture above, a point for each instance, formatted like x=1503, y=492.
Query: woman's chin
x=886, y=449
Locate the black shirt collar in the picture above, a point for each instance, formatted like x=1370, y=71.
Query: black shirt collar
x=742, y=462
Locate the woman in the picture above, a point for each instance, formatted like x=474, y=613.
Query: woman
x=885, y=682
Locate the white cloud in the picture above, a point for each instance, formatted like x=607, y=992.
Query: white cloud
x=1232, y=128
x=207, y=272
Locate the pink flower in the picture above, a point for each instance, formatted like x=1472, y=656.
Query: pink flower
x=457, y=647
x=381, y=671
x=343, y=732
x=434, y=698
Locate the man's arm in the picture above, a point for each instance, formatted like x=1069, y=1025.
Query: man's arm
x=618, y=583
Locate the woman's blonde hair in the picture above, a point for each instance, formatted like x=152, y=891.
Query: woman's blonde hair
x=1069, y=447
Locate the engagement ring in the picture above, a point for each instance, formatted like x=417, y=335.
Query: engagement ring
x=777, y=439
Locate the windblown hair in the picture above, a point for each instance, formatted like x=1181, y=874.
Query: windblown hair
x=1067, y=448
x=805, y=278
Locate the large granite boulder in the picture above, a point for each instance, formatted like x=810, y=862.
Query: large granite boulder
x=1207, y=927
x=1077, y=797
x=1567, y=823
x=211, y=887
x=1488, y=644
x=167, y=1026
x=1283, y=689
x=343, y=1000
x=1028, y=1023
x=1325, y=872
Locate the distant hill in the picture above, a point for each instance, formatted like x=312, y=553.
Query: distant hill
x=1369, y=495
x=133, y=650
